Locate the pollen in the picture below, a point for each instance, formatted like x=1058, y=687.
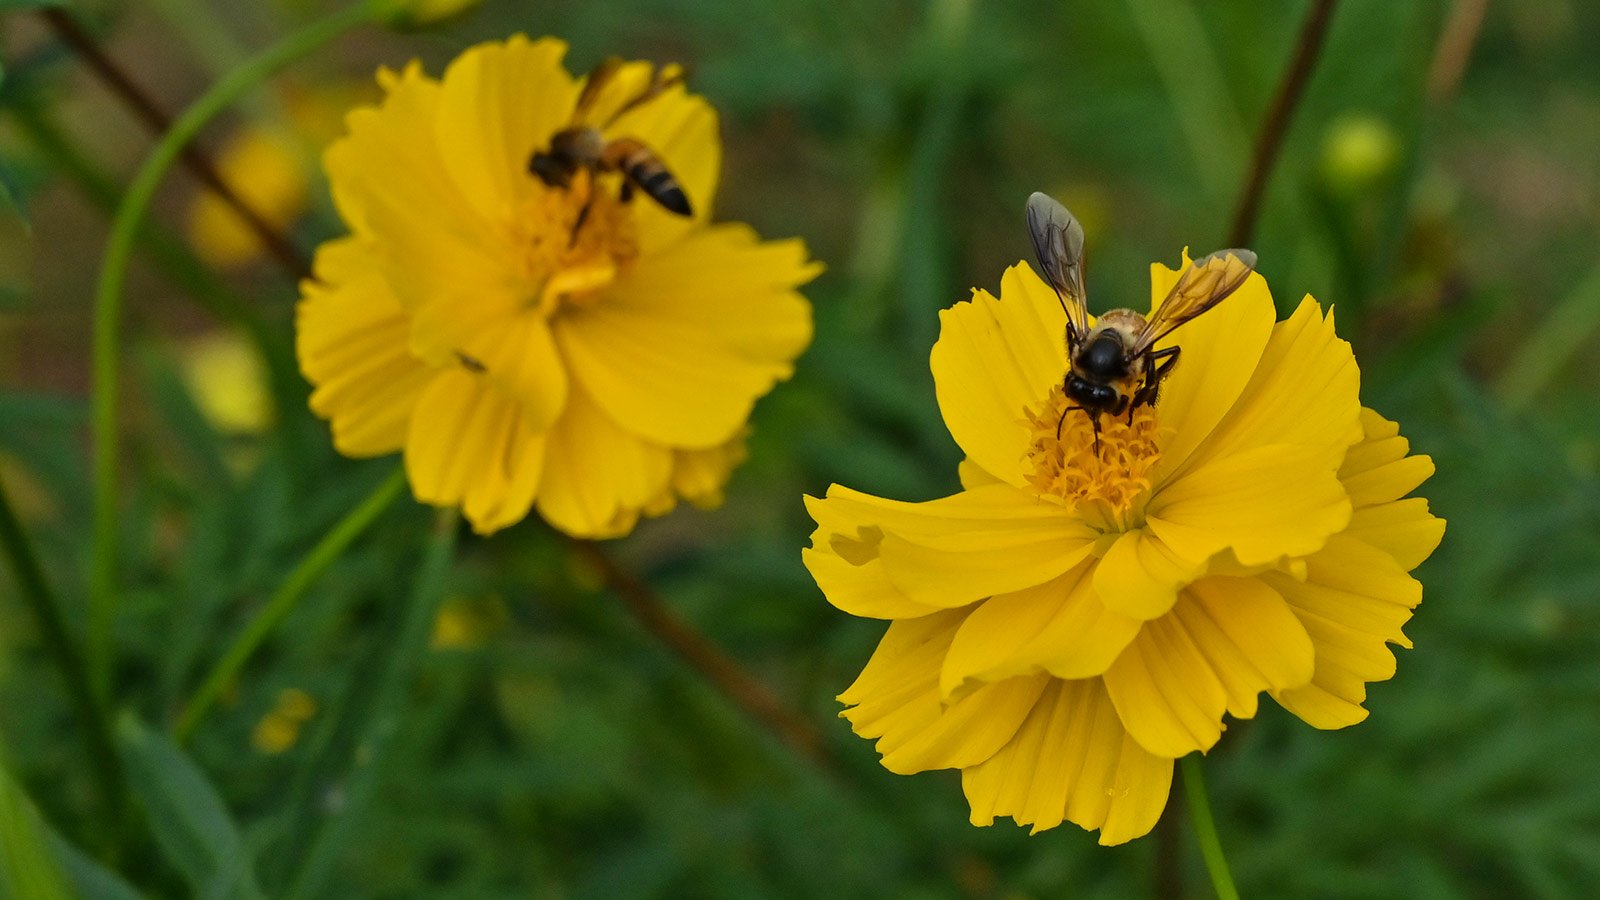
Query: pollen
x=576, y=241
x=1112, y=479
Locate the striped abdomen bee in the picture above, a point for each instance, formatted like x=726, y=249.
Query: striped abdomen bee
x=583, y=145
x=1113, y=366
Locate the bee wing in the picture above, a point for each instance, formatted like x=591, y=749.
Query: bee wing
x=1058, y=245
x=1208, y=281
x=669, y=75
x=594, y=86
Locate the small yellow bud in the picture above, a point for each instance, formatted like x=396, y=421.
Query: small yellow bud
x=407, y=14
x=1358, y=151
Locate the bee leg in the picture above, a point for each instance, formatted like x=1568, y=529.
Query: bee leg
x=1153, y=377
x=1063, y=420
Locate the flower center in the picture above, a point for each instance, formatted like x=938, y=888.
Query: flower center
x=1109, y=481
x=576, y=241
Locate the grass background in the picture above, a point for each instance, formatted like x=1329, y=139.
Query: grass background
x=563, y=752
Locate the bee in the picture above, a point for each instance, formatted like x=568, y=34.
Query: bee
x=1113, y=367
x=583, y=146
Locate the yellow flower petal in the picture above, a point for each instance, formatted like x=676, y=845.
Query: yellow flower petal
x=896, y=700
x=499, y=103
x=689, y=339
x=351, y=338
x=1060, y=627
x=1220, y=352
x=1226, y=640
x=1353, y=603
x=468, y=444
x=698, y=475
x=520, y=358
x=1072, y=760
x=390, y=184
x=1404, y=529
x=1263, y=503
x=1139, y=576
x=1304, y=391
x=843, y=558
x=975, y=544
x=995, y=358
x=598, y=475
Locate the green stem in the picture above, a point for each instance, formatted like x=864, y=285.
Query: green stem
x=284, y=599
x=41, y=599
x=108, y=310
x=1205, y=828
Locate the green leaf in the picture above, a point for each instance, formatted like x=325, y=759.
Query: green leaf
x=190, y=821
x=28, y=868
x=92, y=880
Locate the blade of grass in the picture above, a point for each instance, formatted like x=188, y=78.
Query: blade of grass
x=94, y=728
x=284, y=599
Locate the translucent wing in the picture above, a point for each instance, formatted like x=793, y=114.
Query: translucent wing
x=669, y=75
x=1058, y=245
x=1208, y=281
x=595, y=86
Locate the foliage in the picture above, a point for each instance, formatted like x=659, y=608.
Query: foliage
x=559, y=750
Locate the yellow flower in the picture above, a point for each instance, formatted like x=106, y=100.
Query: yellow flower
x=1069, y=624
x=601, y=372
x=229, y=382
x=420, y=13
x=279, y=729
x=265, y=167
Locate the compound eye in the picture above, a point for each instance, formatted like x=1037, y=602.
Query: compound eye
x=1104, y=395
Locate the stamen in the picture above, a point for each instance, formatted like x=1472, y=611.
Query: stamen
x=575, y=240
x=1066, y=464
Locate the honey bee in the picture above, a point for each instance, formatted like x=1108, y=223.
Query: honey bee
x=582, y=145
x=1113, y=366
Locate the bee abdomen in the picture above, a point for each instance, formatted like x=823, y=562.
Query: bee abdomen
x=641, y=167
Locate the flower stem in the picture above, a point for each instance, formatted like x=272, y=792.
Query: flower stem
x=1205, y=828
x=283, y=601
x=66, y=26
x=108, y=311
x=1313, y=33
x=737, y=684
x=36, y=591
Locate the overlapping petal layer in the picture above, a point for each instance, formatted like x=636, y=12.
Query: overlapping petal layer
x=1063, y=652
x=530, y=345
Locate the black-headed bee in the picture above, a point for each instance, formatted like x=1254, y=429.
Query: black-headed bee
x=583, y=145
x=1113, y=366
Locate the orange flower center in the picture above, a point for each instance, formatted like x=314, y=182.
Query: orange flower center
x=1109, y=480
x=576, y=241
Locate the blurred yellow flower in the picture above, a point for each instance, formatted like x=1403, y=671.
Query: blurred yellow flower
x=1359, y=150
x=226, y=376
x=420, y=13
x=466, y=622
x=1070, y=623
x=266, y=167
x=531, y=345
x=279, y=729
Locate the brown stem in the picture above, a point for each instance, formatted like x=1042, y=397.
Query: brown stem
x=1454, y=49
x=1312, y=33
x=145, y=109
x=694, y=648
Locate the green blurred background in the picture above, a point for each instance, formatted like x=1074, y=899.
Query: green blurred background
x=1439, y=187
